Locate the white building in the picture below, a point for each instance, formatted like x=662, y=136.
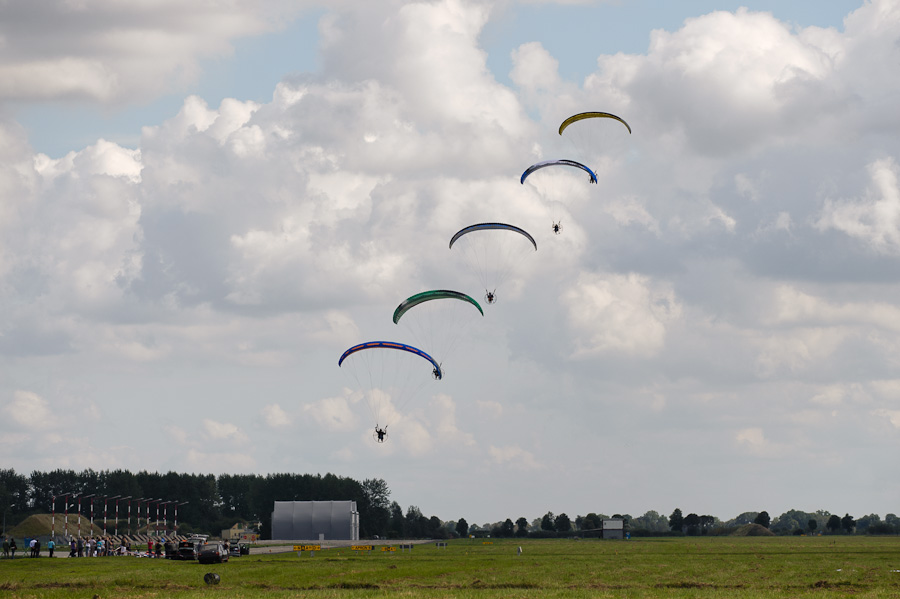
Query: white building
x=613, y=528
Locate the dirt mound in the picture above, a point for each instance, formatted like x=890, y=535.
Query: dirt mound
x=753, y=530
x=39, y=525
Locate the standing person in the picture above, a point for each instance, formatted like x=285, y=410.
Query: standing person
x=13, y=547
x=51, y=546
x=72, y=547
x=5, y=547
x=31, y=545
x=37, y=548
x=80, y=547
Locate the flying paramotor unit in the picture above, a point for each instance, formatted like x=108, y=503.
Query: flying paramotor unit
x=388, y=375
x=436, y=319
x=559, y=185
x=492, y=251
x=591, y=133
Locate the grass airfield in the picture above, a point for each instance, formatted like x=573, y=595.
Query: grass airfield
x=734, y=567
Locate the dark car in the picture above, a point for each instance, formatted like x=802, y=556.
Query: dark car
x=187, y=550
x=239, y=549
x=212, y=553
x=171, y=550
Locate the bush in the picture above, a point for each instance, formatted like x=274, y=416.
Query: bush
x=542, y=534
x=882, y=528
x=640, y=532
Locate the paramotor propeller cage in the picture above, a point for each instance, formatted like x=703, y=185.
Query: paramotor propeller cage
x=557, y=228
x=490, y=297
x=380, y=438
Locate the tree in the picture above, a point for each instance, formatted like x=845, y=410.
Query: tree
x=812, y=525
x=436, y=528
x=848, y=523
x=692, y=523
x=13, y=491
x=791, y=521
x=763, y=519
x=374, y=510
x=834, y=523
x=651, y=521
x=395, y=528
x=462, y=528
x=591, y=522
x=547, y=522
x=522, y=527
x=676, y=520
x=864, y=524
x=892, y=522
x=741, y=519
x=507, y=529
x=562, y=523
x=415, y=524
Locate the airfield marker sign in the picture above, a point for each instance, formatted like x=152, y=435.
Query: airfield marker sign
x=310, y=548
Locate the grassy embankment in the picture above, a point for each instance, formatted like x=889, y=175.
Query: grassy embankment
x=743, y=568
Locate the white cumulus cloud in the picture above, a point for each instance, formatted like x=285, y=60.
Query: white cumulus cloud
x=275, y=416
x=31, y=411
x=609, y=312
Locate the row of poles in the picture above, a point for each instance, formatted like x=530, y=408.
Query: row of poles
x=93, y=497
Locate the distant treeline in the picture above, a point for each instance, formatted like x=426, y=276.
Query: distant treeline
x=792, y=522
x=652, y=523
x=207, y=503
x=210, y=504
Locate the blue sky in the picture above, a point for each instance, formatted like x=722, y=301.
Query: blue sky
x=574, y=33
x=203, y=206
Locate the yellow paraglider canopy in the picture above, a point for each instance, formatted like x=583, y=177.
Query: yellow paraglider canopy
x=591, y=115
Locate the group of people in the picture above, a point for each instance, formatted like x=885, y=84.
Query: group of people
x=91, y=547
x=34, y=547
x=97, y=547
x=159, y=548
x=78, y=547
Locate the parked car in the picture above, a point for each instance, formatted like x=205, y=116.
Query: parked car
x=239, y=549
x=212, y=553
x=188, y=550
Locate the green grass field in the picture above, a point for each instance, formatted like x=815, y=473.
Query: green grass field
x=738, y=567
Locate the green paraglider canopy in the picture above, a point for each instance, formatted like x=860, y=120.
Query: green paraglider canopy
x=426, y=296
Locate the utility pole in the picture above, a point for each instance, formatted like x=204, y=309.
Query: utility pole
x=105, y=502
x=80, y=497
x=117, y=513
x=175, y=523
